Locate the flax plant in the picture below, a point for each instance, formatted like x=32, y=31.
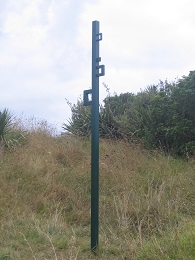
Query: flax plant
x=5, y=126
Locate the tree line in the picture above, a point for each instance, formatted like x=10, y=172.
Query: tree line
x=161, y=116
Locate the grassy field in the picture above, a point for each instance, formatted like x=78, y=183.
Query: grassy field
x=147, y=201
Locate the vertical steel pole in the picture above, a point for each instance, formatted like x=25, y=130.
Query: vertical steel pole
x=97, y=71
x=95, y=138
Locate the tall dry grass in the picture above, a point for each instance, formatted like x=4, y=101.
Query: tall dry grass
x=146, y=201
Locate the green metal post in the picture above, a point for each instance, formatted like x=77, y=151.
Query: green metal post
x=97, y=71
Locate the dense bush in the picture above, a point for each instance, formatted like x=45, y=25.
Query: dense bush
x=162, y=116
x=80, y=122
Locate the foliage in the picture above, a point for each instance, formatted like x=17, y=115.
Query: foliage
x=109, y=118
x=167, y=119
x=161, y=116
x=5, y=123
x=80, y=122
x=10, y=134
x=112, y=115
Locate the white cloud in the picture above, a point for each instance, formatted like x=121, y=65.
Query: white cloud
x=143, y=41
x=45, y=49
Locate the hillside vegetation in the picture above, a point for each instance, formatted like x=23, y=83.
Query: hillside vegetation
x=161, y=116
x=147, y=201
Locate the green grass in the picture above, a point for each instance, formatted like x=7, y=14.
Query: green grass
x=147, y=201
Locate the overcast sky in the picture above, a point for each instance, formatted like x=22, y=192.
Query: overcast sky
x=45, y=50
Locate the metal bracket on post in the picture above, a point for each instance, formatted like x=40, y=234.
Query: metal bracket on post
x=102, y=72
x=97, y=71
x=86, y=100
